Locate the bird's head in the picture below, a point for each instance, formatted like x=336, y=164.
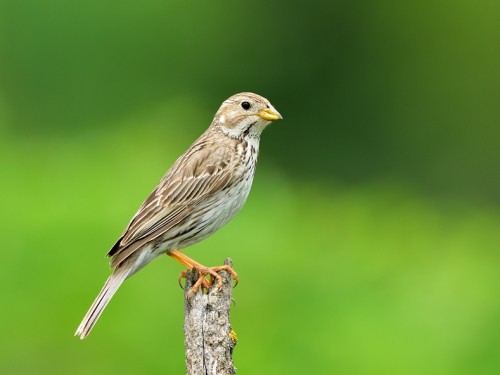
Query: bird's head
x=245, y=114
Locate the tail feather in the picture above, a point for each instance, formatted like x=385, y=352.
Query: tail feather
x=102, y=300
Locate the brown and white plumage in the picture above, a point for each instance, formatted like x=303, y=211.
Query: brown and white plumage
x=200, y=193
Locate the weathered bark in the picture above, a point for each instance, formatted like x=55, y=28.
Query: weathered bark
x=208, y=337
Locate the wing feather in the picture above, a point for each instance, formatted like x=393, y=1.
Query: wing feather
x=201, y=172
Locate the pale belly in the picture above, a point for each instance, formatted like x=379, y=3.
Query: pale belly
x=215, y=213
x=211, y=215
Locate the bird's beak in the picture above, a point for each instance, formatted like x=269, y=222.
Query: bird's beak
x=269, y=114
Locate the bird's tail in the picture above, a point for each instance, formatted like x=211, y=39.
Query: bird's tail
x=105, y=295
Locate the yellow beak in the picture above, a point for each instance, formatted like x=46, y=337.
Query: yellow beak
x=269, y=114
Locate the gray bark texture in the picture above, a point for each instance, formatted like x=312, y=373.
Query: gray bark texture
x=208, y=337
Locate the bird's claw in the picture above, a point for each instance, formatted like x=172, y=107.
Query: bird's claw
x=182, y=275
x=206, y=283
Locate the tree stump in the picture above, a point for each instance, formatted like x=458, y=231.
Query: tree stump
x=208, y=337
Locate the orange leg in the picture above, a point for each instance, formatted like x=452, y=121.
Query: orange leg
x=204, y=272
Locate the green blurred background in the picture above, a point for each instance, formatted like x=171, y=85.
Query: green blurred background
x=370, y=242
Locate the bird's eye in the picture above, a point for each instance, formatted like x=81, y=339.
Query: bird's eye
x=245, y=105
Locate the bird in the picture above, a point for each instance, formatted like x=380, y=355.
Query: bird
x=198, y=195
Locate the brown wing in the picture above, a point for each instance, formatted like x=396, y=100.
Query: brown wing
x=201, y=172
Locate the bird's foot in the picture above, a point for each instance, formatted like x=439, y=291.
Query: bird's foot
x=207, y=277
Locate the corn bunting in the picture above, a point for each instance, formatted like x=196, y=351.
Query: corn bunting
x=200, y=193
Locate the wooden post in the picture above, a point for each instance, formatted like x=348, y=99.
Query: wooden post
x=208, y=337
